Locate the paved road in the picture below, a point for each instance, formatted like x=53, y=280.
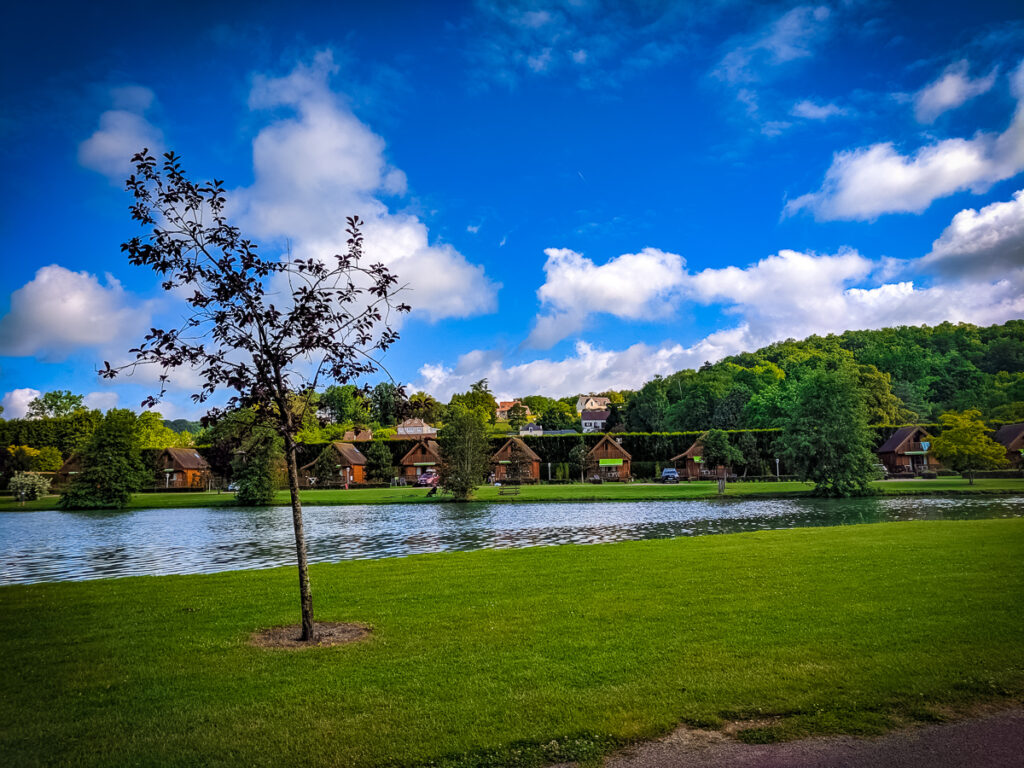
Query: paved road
x=993, y=741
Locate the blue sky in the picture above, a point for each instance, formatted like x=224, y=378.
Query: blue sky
x=579, y=194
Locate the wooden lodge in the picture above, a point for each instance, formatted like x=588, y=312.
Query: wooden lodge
x=71, y=466
x=907, y=451
x=690, y=463
x=515, y=461
x=182, y=468
x=426, y=454
x=608, y=461
x=1011, y=437
x=350, y=461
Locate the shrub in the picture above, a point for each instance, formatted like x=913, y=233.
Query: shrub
x=28, y=486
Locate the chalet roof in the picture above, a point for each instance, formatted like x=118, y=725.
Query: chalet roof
x=506, y=449
x=607, y=442
x=1008, y=434
x=595, y=415
x=899, y=437
x=431, y=448
x=693, y=451
x=348, y=456
x=358, y=435
x=186, y=458
x=73, y=463
x=415, y=423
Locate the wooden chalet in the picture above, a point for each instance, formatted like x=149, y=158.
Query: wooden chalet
x=513, y=452
x=426, y=454
x=907, y=451
x=1011, y=437
x=350, y=461
x=608, y=461
x=690, y=463
x=71, y=466
x=182, y=468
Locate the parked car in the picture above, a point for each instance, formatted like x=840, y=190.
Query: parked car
x=428, y=479
x=670, y=475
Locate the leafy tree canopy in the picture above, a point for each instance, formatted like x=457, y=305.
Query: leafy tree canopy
x=55, y=404
x=964, y=444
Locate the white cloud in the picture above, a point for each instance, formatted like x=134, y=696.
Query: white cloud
x=810, y=110
x=630, y=286
x=953, y=88
x=792, y=36
x=122, y=132
x=322, y=164
x=865, y=183
x=985, y=243
x=790, y=294
x=16, y=402
x=59, y=312
x=104, y=401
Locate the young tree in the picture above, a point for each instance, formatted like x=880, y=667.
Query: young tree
x=964, y=444
x=465, y=450
x=825, y=437
x=719, y=452
x=111, y=465
x=55, y=404
x=379, y=462
x=327, y=466
x=261, y=328
x=519, y=463
x=517, y=417
x=578, y=459
x=253, y=468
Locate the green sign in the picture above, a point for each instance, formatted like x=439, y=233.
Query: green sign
x=610, y=462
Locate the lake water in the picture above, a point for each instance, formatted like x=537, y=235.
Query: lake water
x=62, y=546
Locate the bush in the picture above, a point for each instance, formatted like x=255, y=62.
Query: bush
x=28, y=486
x=999, y=473
x=929, y=475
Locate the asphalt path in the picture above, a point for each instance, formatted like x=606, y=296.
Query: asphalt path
x=993, y=741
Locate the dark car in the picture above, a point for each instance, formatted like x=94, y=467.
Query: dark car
x=670, y=475
x=428, y=479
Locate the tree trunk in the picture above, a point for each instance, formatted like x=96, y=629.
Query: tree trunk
x=970, y=477
x=305, y=594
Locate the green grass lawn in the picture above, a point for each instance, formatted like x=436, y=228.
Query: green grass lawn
x=514, y=657
x=578, y=492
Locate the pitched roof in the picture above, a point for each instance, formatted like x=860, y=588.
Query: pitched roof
x=694, y=450
x=507, y=447
x=899, y=437
x=350, y=453
x=358, y=435
x=1007, y=434
x=429, y=446
x=187, y=458
x=614, y=444
x=414, y=423
x=595, y=415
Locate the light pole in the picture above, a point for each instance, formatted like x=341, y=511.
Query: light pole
x=776, y=469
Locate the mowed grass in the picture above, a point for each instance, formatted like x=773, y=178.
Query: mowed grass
x=535, y=493
x=517, y=657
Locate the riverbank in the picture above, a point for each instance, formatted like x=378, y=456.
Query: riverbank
x=517, y=657
x=555, y=493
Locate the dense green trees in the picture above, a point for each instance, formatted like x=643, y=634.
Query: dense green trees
x=111, y=465
x=55, y=404
x=558, y=415
x=964, y=444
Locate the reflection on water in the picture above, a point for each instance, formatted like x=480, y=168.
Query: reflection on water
x=59, y=546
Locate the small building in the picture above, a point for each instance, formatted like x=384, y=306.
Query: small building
x=591, y=403
x=506, y=406
x=594, y=421
x=515, y=452
x=358, y=435
x=426, y=454
x=907, y=451
x=692, y=466
x=71, y=466
x=350, y=461
x=533, y=428
x=182, y=468
x=608, y=461
x=1011, y=437
x=415, y=428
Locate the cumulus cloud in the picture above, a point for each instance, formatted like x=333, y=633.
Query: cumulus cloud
x=59, y=312
x=865, y=183
x=985, y=243
x=122, y=132
x=789, y=294
x=952, y=89
x=631, y=286
x=810, y=110
x=321, y=164
x=103, y=401
x=16, y=402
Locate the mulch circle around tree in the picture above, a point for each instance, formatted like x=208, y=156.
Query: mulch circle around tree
x=328, y=633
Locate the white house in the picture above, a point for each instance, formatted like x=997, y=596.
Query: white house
x=591, y=403
x=594, y=421
x=415, y=427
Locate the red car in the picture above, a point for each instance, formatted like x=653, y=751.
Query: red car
x=428, y=479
